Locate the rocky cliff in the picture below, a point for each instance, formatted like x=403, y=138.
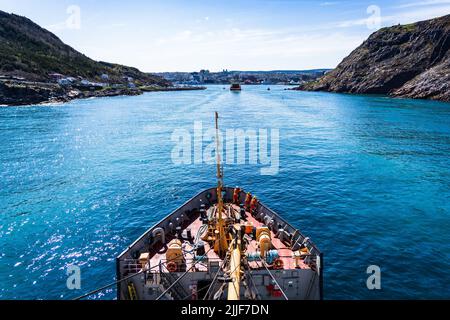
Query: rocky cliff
x=404, y=61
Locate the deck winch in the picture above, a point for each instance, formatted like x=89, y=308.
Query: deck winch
x=270, y=257
x=174, y=253
x=264, y=239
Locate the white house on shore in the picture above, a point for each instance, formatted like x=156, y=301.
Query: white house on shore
x=66, y=81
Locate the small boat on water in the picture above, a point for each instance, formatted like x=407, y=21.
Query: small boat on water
x=235, y=87
x=223, y=244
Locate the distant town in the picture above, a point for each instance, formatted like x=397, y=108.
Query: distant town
x=282, y=77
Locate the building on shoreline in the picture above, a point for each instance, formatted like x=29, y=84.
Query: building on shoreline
x=286, y=77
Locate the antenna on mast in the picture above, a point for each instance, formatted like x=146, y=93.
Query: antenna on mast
x=221, y=238
x=219, y=170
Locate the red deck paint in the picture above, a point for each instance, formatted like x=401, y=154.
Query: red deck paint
x=285, y=253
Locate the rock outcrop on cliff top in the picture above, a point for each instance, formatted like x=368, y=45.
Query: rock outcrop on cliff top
x=405, y=61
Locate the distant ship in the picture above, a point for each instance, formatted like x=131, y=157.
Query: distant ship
x=223, y=244
x=235, y=87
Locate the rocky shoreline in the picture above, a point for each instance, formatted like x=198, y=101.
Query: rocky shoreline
x=410, y=61
x=19, y=93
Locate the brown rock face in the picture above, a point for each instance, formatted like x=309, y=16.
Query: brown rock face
x=20, y=94
x=431, y=84
x=405, y=61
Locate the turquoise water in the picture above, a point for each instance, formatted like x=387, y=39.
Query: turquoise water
x=367, y=178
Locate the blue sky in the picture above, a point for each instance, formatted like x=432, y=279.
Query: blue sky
x=175, y=35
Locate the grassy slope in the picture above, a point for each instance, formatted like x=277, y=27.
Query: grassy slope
x=30, y=51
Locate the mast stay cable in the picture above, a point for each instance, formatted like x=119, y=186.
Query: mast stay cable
x=275, y=280
x=183, y=275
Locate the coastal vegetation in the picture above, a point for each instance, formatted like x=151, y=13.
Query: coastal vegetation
x=34, y=53
x=36, y=66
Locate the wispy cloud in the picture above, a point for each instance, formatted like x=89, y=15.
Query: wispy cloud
x=403, y=17
x=422, y=3
x=248, y=47
x=112, y=26
x=352, y=23
x=329, y=3
x=416, y=15
x=56, y=26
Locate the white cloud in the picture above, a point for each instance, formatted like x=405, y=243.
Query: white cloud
x=402, y=17
x=352, y=23
x=329, y=3
x=56, y=27
x=112, y=26
x=236, y=48
x=423, y=3
x=416, y=15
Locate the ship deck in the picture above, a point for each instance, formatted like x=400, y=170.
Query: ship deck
x=158, y=254
x=301, y=277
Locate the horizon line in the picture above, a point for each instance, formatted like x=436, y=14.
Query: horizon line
x=270, y=70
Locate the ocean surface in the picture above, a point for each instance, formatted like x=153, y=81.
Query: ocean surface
x=366, y=177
